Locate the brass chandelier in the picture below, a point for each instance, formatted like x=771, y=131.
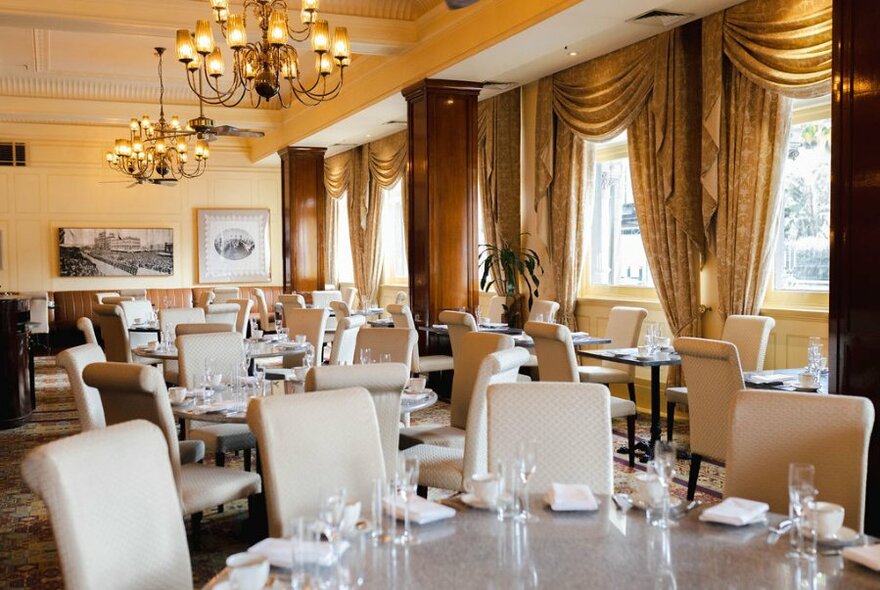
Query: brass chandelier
x=266, y=68
x=158, y=152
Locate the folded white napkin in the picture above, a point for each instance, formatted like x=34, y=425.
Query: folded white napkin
x=279, y=552
x=570, y=496
x=763, y=379
x=735, y=512
x=422, y=511
x=440, y=326
x=866, y=555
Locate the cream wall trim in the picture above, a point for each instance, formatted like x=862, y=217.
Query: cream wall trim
x=791, y=314
x=94, y=88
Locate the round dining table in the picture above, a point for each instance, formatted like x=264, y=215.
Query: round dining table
x=256, y=350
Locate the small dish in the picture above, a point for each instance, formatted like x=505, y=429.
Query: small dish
x=812, y=389
x=845, y=537
x=637, y=501
x=474, y=502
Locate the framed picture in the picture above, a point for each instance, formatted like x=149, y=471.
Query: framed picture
x=233, y=245
x=115, y=252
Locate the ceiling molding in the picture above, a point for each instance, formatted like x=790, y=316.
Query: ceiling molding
x=41, y=51
x=93, y=89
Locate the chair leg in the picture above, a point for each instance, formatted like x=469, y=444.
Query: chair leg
x=197, y=529
x=632, y=392
x=220, y=459
x=247, y=459
x=422, y=491
x=694, y=474
x=670, y=420
x=631, y=439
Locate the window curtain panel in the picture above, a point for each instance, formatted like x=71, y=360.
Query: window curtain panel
x=337, y=178
x=757, y=56
x=387, y=160
x=498, y=172
x=364, y=214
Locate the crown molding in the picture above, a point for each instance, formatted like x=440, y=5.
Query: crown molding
x=91, y=88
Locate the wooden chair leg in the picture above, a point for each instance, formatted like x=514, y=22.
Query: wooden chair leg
x=631, y=439
x=220, y=459
x=247, y=459
x=632, y=392
x=696, y=460
x=670, y=420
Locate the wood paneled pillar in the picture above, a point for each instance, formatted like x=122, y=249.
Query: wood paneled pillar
x=302, y=197
x=442, y=184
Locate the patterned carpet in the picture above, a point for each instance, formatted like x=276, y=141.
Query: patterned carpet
x=28, y=558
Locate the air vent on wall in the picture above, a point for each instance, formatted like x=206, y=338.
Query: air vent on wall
x=660, y=18
x=12, y=154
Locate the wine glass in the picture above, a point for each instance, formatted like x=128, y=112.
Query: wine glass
x=665, y=455
x=801, y=491
x=330, y=515
x=366, y=356
x=406, y=484
x=526, y=462
x=478, y=316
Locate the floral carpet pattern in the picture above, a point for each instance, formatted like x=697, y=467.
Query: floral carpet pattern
x=28, y=558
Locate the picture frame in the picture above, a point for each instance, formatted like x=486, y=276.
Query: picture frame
x=115, y=251
x=233, y=245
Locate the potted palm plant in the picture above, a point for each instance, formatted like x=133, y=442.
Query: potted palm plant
x=506, y=264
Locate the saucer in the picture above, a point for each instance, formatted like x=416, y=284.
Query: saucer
x=474, y=502
x=845, y=537
x=637, y=501
x=812, y=389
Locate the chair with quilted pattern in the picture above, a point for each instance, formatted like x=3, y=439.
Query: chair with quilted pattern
x=350, y=297
x=401, y=315
x=624, y=325
x=341, y=309
x=100, y=295
x=243, y=315
x=87, y=399
x=312, y=323
x=397, y=343
x=114, y=332
x=496, y=309
x=85, y=326
x=298, y=301
x=204, y=299
x=345, y=340
x=223, y=313
x=224, y=294
x=169, y=318
x=267, y=316
x=459, y=323
x=401, y=298
x=544, y=308
x=203, y=328
x=135, y=312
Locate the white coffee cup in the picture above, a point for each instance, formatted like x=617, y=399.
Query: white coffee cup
x=248, y=571
x=485, y=486
x=416, y=384
x=177, y=394
x=648, y=488
x=828, y=518
x=807, y=379
x=257, y=333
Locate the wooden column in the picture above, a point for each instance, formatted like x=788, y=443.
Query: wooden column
x=442, y=184
x=302, y=202
x=854, y=314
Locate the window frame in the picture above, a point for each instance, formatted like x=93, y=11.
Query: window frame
x=394, y=281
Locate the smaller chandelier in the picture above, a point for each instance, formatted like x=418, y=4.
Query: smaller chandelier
x=158, y=152
x=266, y=68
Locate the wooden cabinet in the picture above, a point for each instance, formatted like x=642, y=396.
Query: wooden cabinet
x=16, y=384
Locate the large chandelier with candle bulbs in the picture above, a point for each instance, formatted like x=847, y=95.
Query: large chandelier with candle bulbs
x=159, y=152
x=266, y=68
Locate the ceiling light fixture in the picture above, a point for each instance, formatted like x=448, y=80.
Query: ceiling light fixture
x=158, y=153
x=260, y=69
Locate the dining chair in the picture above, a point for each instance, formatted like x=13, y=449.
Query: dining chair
x=114, y=333
x=243, y=315
x=713, y=375
x=128, y=534
x=385, y=382
x=133, y=392
x=401, y=298
x=312, y=323
x=324, y=297
x=114, y=300
x=544, y=308
x=88, y=401
x=136, y=311
x=397, y=343
x=341, y=309
x=267, y=316
x=449, y=468
x=750, y=334
x=312, y=444
x=458, y=323
x=204, y=299
x=350, y=297
x=557, y=362
x=39, y=312
x=170, y=318
x=203, y=328
x=99, y=296
x=571, y=423
x=298, y=301
x=496, y=308
x=224, y=294
x=624, y=325
x=85, y=326
x=476, y=346
x=401, y=315
x=769, y=430
x=138, y=294
x=223, y=313
x=345, y=340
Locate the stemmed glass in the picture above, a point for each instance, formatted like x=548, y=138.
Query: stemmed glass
x=366, y=356
x=665, y=454
x=478, y=316
x=801, y=491
x=526, y=463
x=406, y=483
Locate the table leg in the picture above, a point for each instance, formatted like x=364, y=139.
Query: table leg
x=655, y=408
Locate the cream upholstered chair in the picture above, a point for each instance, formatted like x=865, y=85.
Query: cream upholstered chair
x=544, y=308
x=137, y=311
x=341, y=309
x=401, y=315
x=222, y=313
x=476, y=346
x=85, y=326
x=350, y=297
x=571, y=423
x=385, y=382
x=624, y=325
x=128, y=534
x=713, y=375
x=345, y=339
x=557, y=362
x=39, y=312
x=132, y=392
x=323, y=298
x=203, y=328
x=114, y=333
x=243, y=314
x=401, y=298
x=771, y=429
x=750, y=334
x=298, y=301
x=170, y=318
x=267, y=316
x=312, y=323
x=88, y=401
x=496, y=308
x=450, y=467
x=204, y=299
x=299, y=464
x=459, y=324
x=224, y=294
x=398, y=343
x=99, y=297
x=111, y=300
x=138, y=294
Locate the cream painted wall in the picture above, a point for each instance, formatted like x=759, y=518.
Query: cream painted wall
x=67, y=184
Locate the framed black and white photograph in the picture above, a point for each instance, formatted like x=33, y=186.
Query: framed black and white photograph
x=233, y=245
x=115, y=252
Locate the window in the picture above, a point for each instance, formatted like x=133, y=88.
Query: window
x=394, y=269
x=344, y=264
x=803, y=242
x=617, y=256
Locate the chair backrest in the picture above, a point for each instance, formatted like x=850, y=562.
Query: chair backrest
x=136, y=310
x=205, y=328
x=345, y=339
x=323, y=298
x=771, y=429
x=88, y=400
x=553, y=347
x=311, y=322
x=244, y=314
x=398, y=343
x=401, y=315
x=297, y=300
x=114, y=508
x=713, y=376
x=99, y=296
x=459, y=324
x=171, y=317
x=624, y=325
x=298, y=463
x=205, y=299
x=571, y=423
x=193, y=350
x=401, y=298
x=39, y=301
x=341, y=309
x=224, y=294
x=112, y=300
x=267, y=320
x=385, y=383
x=501, y=366
x=350, y=296
x=544, y=308
x=138, y=294
x=223, y=313
x=496, y=308
x=85, y=326
x=750, y=334
x=476, y=346
x=114, y=332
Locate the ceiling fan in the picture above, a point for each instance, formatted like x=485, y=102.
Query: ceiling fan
x=453, y=4
x=137, y=181
x=207, y=131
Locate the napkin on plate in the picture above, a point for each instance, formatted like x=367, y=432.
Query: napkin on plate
x=765, y=379
x=570, y=496
x=279, y=552
x=440, y=326
x=422, y=511
x=735, y=512
x=866, y=555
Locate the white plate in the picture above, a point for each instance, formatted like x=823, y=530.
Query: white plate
x=637, y=501
x=474, y=502
x=844, y=538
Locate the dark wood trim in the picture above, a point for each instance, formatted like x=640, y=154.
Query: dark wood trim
x=303, y=202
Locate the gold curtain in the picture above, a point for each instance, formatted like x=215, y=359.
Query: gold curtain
x=337, y=177
x=388, y=159
x=364, y=214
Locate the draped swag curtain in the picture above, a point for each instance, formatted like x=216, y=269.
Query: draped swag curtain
x=757, y=56
x=498, y=171
x=648, y=89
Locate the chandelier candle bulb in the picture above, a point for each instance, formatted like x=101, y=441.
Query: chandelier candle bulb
x=134, y=125
x=324, y=64
x=185, y=49
x=137, y=147
x=215, y=63
x=278, y=28
x=236, y=34
x=321, y=37
x=308, y=17
x=310, y=5
x=249, y=71
x=220, y=4
x=221, y=16
x=204, y=37
x=175, y=122
x=195, y=64
x=341, y=47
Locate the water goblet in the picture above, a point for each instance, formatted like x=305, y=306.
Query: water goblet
x=407, y=482
x=665, y=455
x=366, y=356
x=385, y=357
x=801, y=491
x=526, y=462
